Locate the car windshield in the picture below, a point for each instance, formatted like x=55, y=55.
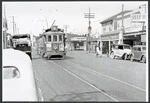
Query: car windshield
x=20, y=36
x=143, y=48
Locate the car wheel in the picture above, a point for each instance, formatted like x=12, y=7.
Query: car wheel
x=143, y=59
x=125, y=56
x=112, y=55
x=131, y=58
x=43, y=55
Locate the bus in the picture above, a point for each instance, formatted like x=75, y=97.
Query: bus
x=52, y=43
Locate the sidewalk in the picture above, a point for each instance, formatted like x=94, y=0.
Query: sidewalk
x=93, y=53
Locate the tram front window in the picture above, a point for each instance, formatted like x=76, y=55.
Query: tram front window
x=49, y=38
x=60, y=37
x=55, y=38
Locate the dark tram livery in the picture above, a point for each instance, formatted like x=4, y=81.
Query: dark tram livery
x=51, y=44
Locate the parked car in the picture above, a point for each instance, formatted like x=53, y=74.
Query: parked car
x=138, y=53
x=22, y=42
x=18, y=81
x=120, y=50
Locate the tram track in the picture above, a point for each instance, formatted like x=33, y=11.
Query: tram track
x=85, y=75
x=85, y=81
x=101, y=74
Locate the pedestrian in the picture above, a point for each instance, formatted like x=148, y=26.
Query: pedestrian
x=98, y=52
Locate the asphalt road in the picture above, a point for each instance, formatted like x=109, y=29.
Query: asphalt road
x=83, y=77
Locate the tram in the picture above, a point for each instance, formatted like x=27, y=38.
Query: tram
x=51, y=43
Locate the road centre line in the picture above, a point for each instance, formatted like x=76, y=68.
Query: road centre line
x=85, y=82
x=109, y=77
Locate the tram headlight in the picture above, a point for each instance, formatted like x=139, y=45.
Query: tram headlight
x=61, y=47
x=48, y=46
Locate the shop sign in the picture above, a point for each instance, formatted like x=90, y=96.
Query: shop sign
x=78, y=39
x=138, y=17
x=107, y=38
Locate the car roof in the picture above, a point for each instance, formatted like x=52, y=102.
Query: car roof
x=20, y=35
x=122, y=44
x=15, y=89
x=139, y=46
x=16, y=57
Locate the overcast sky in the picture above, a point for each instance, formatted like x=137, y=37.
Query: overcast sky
x=30, y=17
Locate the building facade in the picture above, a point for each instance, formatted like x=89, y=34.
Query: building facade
x=76, y=42
x=134, y=31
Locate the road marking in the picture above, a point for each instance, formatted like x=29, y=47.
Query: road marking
x=110, y=77
x=86, y=82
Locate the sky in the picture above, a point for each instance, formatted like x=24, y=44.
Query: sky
x=33, y=17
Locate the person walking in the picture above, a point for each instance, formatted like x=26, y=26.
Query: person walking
x=98, y=51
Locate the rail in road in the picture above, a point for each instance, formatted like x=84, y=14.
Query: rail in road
x=88, y=83
x=108, y=87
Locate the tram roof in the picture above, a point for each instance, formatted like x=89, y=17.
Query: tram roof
x=49, y=32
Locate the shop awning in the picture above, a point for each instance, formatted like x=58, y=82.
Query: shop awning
x=111, y=33
x=135, y=33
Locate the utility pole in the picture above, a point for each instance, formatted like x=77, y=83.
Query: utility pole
x=13, y=25
x=89, y=16
x=122, y=28
x=143, y=12
x=5, y=28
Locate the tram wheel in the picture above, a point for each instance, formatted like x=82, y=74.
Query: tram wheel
x=43, y=55
x=63, y=57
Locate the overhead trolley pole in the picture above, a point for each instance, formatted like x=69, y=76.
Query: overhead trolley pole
x=89, y=16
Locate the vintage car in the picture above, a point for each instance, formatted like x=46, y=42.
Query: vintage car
x=120, y=50
x=18, y=81
x=138, y=53
x=22, y=42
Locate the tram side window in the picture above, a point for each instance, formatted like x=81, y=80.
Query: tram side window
x=60, y=37
x=54, y=37
x=49, y=38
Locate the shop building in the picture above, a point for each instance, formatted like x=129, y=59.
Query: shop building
x=79, y=42
x=134, y=33
x=75, y=42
